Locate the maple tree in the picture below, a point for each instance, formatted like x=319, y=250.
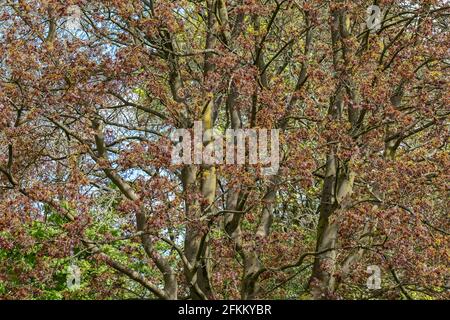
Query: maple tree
x=86, y=175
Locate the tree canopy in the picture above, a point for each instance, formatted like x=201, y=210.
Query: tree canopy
x=91, y=91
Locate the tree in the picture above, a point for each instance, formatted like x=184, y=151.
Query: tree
x=88, y=109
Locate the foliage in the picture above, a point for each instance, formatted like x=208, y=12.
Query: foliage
x=86, y=176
